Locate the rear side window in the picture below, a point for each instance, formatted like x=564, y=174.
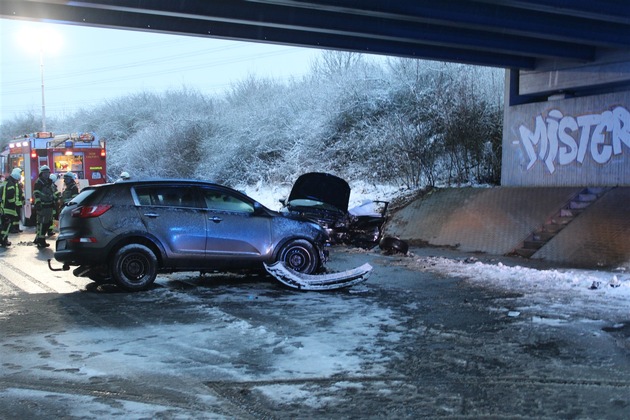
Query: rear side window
x=167, y=196
x=83, y=195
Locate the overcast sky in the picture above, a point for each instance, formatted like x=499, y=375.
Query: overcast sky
x=91, y=65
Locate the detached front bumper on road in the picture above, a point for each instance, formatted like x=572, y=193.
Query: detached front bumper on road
x=330, y=281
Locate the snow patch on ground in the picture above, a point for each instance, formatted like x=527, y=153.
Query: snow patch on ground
x=563, y=290
x=607, y=283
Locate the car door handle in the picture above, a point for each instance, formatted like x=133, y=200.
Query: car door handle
x=152, y=215
x=215, y=219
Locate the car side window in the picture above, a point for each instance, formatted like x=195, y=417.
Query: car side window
x=222, y=201
x=168, y=196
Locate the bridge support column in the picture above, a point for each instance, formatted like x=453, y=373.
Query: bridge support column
x=568, y=126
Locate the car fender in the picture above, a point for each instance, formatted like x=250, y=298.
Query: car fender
x=141, y=237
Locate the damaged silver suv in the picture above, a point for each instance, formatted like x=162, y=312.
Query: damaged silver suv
x=130, y=231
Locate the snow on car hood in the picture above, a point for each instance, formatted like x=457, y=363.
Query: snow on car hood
x=322, y=187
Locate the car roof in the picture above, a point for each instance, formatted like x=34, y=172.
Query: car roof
x=135, y=181
x=165, y=181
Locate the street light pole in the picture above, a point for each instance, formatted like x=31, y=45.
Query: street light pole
x=41, y=66
x=42, y=40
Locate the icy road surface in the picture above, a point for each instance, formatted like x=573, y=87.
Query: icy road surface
x=433, y=334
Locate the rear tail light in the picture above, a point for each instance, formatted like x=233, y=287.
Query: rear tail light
x=83, y=240
x=85, y=212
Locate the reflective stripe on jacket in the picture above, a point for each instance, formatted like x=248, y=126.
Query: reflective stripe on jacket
x=10, y=197
x=43, y=192
x=71, y=191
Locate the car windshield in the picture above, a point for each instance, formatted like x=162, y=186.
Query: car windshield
x=303, y=202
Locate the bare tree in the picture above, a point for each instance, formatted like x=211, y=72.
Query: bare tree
x=334, y=63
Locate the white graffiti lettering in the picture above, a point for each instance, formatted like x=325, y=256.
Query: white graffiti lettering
x=564, y=139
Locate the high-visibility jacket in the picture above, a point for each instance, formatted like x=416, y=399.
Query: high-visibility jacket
x=10, y=197
x=43, y=193
x=19, y=200
x=71, y=191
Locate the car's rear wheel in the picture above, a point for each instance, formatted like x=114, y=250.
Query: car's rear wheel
x=300, y=255
x=134, y=267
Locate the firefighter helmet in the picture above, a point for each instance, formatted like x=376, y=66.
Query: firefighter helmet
x=44, y=168
x=68, y=175
x=53, y=177
x=125, y=175
x=16, y=173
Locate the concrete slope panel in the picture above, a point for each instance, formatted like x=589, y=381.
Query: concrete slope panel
x=599, y=237
x=490, y=220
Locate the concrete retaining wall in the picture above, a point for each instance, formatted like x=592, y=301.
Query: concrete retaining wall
x=497, y=220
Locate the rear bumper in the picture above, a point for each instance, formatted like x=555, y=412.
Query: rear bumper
x=68, y=253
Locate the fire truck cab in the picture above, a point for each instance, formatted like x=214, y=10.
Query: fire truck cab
x=83, y=154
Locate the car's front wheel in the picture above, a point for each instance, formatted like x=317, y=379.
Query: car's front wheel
x=134, y=267
x=300, y=255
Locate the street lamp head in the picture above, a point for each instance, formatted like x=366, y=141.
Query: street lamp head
x=40, y=38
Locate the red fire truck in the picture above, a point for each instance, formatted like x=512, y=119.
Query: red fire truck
x=83, y=154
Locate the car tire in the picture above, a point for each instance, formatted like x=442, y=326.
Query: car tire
x=134, y=267
x=300, y=255
x=393, y=245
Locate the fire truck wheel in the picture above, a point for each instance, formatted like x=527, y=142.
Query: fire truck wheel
x=134, y=267
x=30, y=221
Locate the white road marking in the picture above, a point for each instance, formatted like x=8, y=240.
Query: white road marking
x=24, y=269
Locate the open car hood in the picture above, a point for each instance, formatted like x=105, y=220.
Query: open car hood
x=319, y=186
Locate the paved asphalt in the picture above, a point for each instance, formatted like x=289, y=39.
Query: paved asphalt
x=407, y=344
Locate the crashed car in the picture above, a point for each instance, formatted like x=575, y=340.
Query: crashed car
x=128, y=232
x=324, y=198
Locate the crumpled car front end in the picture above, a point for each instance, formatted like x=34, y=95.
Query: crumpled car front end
x=323, y=198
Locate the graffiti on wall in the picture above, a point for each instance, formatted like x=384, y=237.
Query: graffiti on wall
x=565, y=139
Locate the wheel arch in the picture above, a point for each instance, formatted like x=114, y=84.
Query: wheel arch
x=147, y=240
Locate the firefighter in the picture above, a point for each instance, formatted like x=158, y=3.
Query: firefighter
x=19, y=202
x=8, y=207
x=56, y=204
x=44, y=202
x=124, y=176
x=71, y=189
